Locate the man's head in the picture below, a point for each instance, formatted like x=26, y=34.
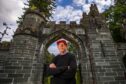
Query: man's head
x=62, y=46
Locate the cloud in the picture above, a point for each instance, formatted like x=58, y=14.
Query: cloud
x=72, y=13
x=53, y=49
x=101, y=4
x=67, y=13
x=10, y=10
x=104, y=4
x=86, y=8
x=60, y=0
x=79, y=2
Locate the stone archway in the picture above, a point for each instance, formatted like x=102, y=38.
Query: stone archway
x=72, y=38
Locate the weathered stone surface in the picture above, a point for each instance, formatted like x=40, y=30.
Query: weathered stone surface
x=100, y=59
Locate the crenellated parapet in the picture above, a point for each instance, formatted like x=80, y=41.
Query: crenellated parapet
x=62, y=24
x=52, y=26
x=94, y=22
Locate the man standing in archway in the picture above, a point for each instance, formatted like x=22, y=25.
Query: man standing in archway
x=63, y=66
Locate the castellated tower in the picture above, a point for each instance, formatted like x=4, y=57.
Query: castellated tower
x=99, y=57
x=21, y=61
x=106, y=63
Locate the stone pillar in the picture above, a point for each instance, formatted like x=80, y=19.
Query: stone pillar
x=23, y=65
x=20, y=62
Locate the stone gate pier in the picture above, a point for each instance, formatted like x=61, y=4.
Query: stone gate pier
x=100, y=58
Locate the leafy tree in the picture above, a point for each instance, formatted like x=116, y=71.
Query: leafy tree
x=71, y=48
x=20, y=20
x=49, y=57
x=115, y=19
x=44, y=7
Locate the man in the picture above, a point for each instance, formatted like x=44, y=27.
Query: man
x=63, y=66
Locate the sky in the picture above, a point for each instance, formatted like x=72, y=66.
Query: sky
x=71, y=10
x=66, y=10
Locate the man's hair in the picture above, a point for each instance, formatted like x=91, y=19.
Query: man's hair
x=61, y=41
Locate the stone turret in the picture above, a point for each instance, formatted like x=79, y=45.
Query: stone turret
x=93, y=10
x=94, y=22
x=24, y=48
x=101, y=45
x=31, y=24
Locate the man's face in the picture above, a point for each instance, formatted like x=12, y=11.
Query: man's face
x=62, y=47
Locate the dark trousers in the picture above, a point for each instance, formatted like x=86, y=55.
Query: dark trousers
x=56, y=80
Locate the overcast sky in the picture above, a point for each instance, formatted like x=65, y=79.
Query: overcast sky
x=66, y=10
x=10, y=10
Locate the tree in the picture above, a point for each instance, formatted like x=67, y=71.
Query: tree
x=44, y=7
x=71, y=48
x=49, y=57
x=115, y=19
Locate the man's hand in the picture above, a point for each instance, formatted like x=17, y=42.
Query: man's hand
x=52, y=65
x=68, y=67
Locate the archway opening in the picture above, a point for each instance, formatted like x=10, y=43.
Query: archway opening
x=51, y=51
x=75, y=40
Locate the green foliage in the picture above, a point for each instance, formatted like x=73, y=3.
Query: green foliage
x=77, y=76
x=45, y=7
x=47, y=80
x=49, y=57
x=115, y=19
x=20, y=20
x=71, y=48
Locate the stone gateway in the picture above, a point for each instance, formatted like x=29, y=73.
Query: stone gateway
x=100, y=58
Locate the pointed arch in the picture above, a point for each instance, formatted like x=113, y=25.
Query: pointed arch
x=73, y=38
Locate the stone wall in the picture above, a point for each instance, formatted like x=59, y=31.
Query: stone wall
x=106, y=65
x=121, y=47
x=109, y=68
x=18, y=66
x=101, y=64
